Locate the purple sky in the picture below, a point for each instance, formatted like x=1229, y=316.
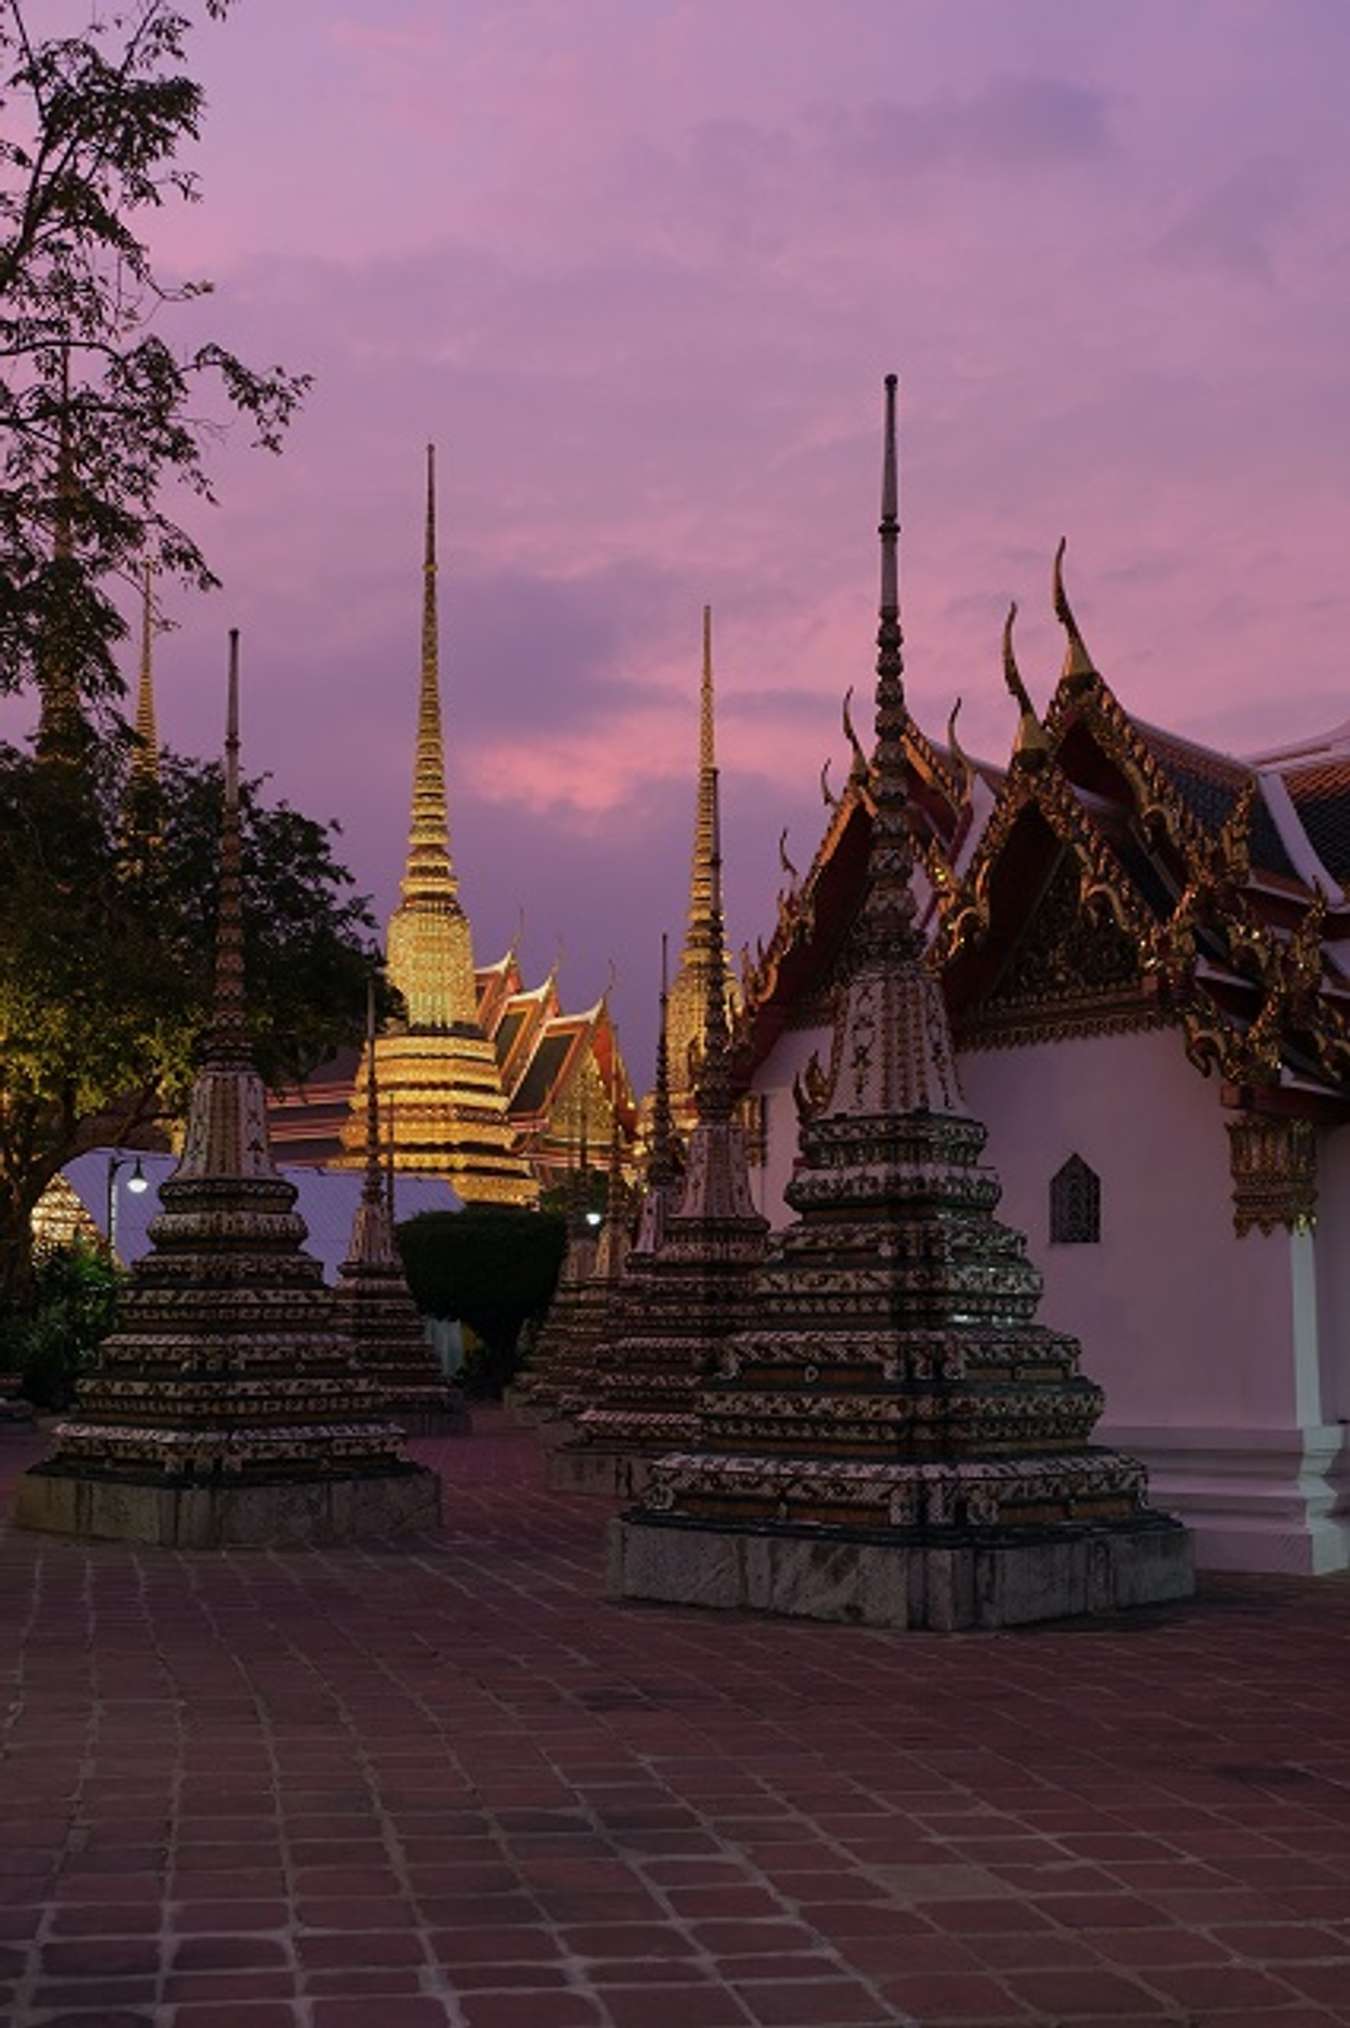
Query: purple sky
x=638, y=267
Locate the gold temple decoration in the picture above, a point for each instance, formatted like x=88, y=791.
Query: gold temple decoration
x=1078, y=664
x=688, y=993
x=1032, y=742
x=1274, y=1165
x=438, y=1065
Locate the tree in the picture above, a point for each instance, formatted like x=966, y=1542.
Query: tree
x=99, y=406
x=490, y=1266
x=106, y=947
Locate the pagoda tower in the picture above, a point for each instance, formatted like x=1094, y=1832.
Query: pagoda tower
x=689, y=994
x=228, y=1408
x=438, y=1065
x=374, y=1303
x=569, y=1296
x=689, y=1284
x=563, y=1376
x=893, y=1439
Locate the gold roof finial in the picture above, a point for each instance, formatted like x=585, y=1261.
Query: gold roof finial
x=827, y=795
x=783, y=859
x=1078, y=664
x=963, y=761
x=862, y=768
x=429, y=875
x=1031, y=739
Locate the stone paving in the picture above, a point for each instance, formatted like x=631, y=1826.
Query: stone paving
x=450, y=1784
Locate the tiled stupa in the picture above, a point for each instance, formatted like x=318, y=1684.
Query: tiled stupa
x=689, y=1285
x=568, y=1309
x=375, y=1307
x=228, y=1408
x=570, y=1381
x=894, y=1439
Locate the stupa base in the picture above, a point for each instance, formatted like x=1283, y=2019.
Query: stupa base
x=264, y=1514
x=597, y=1468
x=982, y=1581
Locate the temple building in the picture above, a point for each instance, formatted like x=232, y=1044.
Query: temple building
x=564, y=1075
x=704, y=937
x=1143, y=945
x=437, y=1068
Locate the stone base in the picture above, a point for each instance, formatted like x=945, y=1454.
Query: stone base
x=595, y=1468
x=277, y=1514
x=1254, y=1499
x=1000, y=1581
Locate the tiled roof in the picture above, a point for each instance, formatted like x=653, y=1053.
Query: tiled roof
x=1209, y=784
x=1321, y=796
x=533, y=1090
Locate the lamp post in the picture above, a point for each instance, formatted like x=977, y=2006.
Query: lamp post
x=137, y=1182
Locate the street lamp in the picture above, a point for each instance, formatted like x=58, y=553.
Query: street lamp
x=137, y=1181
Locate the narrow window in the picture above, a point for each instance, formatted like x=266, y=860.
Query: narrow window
x=1075, y=1205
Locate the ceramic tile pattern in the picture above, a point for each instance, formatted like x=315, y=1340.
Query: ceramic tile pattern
x=450, y=1784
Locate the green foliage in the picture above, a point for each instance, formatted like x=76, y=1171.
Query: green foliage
x=587, y=1190
x=106, y=956
x=493, y=1268
x=100, y=403
x=75, y=1294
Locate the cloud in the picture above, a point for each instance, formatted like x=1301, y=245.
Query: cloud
x=1235, y=229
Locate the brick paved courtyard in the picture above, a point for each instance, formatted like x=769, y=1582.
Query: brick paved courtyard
x=451, y=1785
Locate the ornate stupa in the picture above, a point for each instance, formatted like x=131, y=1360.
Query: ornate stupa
x=374, y=1303
x=438, y=1065
x=571, y=1298
x=894, y=1439
x=228, y=1408
x=689, y=1282
x=571, y=1375
x=704, y=943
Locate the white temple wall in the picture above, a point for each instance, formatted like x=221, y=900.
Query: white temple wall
x=1332, y=1243
x=1223, y=1359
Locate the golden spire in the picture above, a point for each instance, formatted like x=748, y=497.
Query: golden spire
x=145, y=760
x=696, y=941
x=1032, y=739
x=1078, y=664
x=429, y=875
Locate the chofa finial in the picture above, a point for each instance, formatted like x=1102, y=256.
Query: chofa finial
x=1031, y=740
x=1078, y=665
